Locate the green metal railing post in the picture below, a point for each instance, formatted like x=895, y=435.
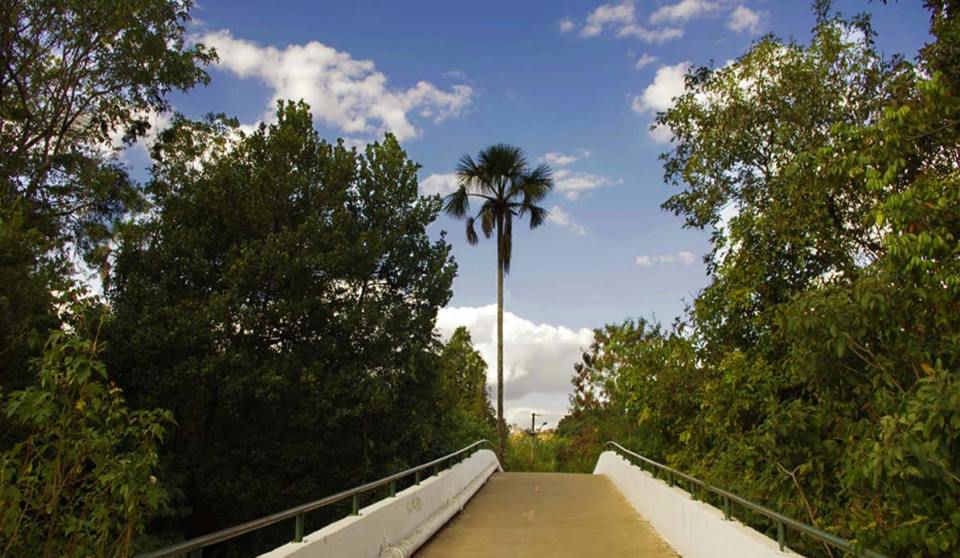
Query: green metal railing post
x=356, y=505
x=726, y=508
x=781, y=535
x=298, y=529
x=393, y=488
x=416, y=477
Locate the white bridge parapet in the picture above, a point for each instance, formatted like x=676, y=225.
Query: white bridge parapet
x=396, y=527
x=694, y=529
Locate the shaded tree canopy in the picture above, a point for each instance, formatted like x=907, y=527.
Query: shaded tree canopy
x=280, y=300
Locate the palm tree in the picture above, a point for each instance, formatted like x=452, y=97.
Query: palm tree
x=505, y=187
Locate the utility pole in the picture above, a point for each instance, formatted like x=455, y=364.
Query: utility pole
x=533, y=433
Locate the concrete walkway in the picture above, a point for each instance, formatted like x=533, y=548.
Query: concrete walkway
x=546, y=514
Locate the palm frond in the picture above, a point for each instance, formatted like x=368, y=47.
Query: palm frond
x=500, y=175
x=505, y=163
x=457, y=204
x=472, y=238
x=537, y=183
x=488, y=218
x=473, y=177
x=538, y=215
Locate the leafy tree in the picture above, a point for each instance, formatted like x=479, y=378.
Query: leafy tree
x=76, y=72
x=280, y=300
x=507, y=188
x=817, y=373
x=80, y=481
x=74, y=75
x=464, y=400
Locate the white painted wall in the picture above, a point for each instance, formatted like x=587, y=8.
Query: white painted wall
x=694, y=529
x=397, y=526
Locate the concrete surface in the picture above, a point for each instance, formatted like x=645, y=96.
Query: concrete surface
x=693, y=528
x=397, y=523
x=546, y=514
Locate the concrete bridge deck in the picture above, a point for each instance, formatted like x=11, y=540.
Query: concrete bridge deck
x=547, y=514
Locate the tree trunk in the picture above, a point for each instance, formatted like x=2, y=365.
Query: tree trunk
x=501, y=425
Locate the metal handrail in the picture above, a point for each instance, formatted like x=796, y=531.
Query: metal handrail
x=781, y=520
x=194, y=546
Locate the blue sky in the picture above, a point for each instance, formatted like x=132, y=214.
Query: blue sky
x=575, y=84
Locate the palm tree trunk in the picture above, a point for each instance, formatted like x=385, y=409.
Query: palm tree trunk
x=501, y=425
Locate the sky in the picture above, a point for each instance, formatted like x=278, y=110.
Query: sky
x=575, y=84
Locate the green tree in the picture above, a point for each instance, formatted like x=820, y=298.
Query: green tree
x=280, y=300
x=74, y=75
x=506, y=189
x=464, y=400
x=80, y=480
x=817, y=373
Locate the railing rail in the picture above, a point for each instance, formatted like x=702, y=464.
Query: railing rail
x=194, y=547
x=779, y=519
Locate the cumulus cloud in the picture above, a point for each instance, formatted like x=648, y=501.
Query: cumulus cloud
x=645, y=60
x=744, y=20
x=621, y=20
x=683, y=11
x=682, y=257
x=560, y=217
x=537, y=358
x=441, y=184
x=573, y=184
x=566, y=25
x=345, y=93
x=668, y=83
x=558, y=159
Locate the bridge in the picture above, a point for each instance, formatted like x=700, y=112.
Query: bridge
x=463, y=505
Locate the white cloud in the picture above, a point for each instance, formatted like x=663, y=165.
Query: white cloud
x=645, y=60
x=622, y=21
x=455, y=74
x=682, y=257
x=158, y=121
x=650, y=35
x=566, y=25
x=558, y=159
x=343, y=92
x=608, y=15
x=559, y=216
x=441, y=184
x=537, y=358
x=661, y=134
x=573, y=185
x=683, y=11
x=743, y=19
x=668, y=83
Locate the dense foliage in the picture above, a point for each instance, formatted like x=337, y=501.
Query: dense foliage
x=819, y=372
x=280, y=300
x=76, y=75
x=275, y=293
x=80, y=483
x=468, y=415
